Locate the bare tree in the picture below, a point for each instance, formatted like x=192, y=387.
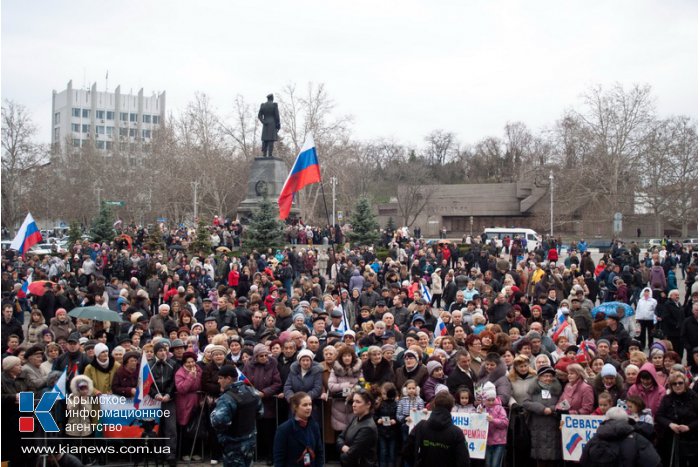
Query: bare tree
x=440, y=147
x=414, y=191
x=244, y=129
x=683, y=205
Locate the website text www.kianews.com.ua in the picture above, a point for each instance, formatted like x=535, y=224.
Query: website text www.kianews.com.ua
x=76, y=449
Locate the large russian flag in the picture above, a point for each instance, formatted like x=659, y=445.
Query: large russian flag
x=305, y=171
x=27, y=236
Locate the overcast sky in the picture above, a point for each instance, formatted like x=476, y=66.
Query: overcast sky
x=400, y=68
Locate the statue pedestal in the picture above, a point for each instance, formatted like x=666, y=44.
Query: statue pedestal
x=267, y=177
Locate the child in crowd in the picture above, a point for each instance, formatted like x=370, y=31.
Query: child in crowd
x=385, y=417
x=463, y=401
x=409, y=401
x=636, y=408
x=498, y=427
x=605, y=402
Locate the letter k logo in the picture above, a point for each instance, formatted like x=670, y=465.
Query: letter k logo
x=42, y=411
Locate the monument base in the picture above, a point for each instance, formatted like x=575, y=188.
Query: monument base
x=267, y=177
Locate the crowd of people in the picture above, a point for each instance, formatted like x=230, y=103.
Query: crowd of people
x=301, y=355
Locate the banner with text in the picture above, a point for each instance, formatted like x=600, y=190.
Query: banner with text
x=474, y=426
x=576, y=431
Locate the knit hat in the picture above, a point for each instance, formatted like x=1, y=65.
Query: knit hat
x=9, y=362
x=546, y=369
x=305, y=353
x=99, y=348
x=656, y=351
x=260, y=349
x=412, y=353
x=440, y=388
x=216, y=348
x=608, y=370
x=432, y=366
x=488, y=390
x=657, y=345
x=604, y=341
x=387, y=347
x=533, y=335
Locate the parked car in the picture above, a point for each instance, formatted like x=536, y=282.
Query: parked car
x=691, y=244
x=602, y=245
x=654, y=243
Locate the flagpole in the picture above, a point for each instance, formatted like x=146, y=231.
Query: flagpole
x=331, y=233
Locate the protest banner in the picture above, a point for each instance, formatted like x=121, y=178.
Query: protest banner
x=121, y=418
x=474, y=426
x=576, y=431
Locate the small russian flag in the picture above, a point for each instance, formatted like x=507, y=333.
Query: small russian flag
x=440, y=329
x=144, y=383
x=243, y=378
x=24, y=291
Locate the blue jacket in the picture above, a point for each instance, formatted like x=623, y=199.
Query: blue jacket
x=291, y=440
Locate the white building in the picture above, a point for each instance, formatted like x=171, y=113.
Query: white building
x=108, y=120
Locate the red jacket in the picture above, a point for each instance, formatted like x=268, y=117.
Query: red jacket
x=233, y=278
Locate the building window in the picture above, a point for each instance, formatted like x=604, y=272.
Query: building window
x=100, y=144
x=108, y=145
x=132, y=132
x=110, y=130
x=57, y=118
x=56, y=134
x=110, y=115
x=75, y=127
x=156, y=119
x=133, y=118
x=76, y=143
x=123, y=116
x=75, y=112
x=86, y=113
x=123, y=131
x=146, y=133
x=100, y=130
x=100, y=114
x=146, y=118
x=86, y=128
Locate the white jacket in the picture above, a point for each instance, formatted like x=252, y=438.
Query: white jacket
x=645, y=308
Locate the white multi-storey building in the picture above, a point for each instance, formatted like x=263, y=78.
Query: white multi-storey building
x=109, y=120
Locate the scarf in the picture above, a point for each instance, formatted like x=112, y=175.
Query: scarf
x=103, y=365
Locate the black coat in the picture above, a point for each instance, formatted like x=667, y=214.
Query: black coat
x=671, y=318
x=634, y=449
x=681, y=409
x=437, y=442
x=382, y=373
x=7, y=329
x=689, y=334
x=269, y=115
x=291, y=440
x=361, y=437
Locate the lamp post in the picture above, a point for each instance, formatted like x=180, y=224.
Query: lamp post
x=551, y=204
x=334, y=182
x=195, y=186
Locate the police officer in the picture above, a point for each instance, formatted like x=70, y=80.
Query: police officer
x=234, y=418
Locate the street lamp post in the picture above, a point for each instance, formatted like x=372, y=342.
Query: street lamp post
x=551, y=204
x=195, y=185
x=334, y=182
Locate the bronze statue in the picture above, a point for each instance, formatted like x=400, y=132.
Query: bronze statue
x=269, y=116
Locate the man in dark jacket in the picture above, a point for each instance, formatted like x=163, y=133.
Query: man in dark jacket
x=689, y=332
x=671, y=317
x=10, y=326
x=163, y=370
x=437, y=441
x=617, y=443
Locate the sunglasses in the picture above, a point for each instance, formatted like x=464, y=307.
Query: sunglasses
x=678, y=383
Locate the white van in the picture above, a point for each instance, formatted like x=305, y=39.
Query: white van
x=499, y=233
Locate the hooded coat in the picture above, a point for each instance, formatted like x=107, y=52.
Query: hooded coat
x=342, y=378
x=499, y=378
x=651, y=396
x=436, y=441
x=76, y=424
x=34, y=330
x=645, y=307
x=635, y=450
x=356, y=281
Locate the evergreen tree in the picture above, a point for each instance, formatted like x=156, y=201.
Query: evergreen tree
x=390, y=225
x=103, y=225
x=365, y=229
x=154, y=241
x=202, y=241
x=265, y=229
x=75, y=234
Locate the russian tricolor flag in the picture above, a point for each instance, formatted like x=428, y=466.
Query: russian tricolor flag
x=305, y=171
x=24, y=291
x=144, y=383
x=27, y=236
x=440, y=329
